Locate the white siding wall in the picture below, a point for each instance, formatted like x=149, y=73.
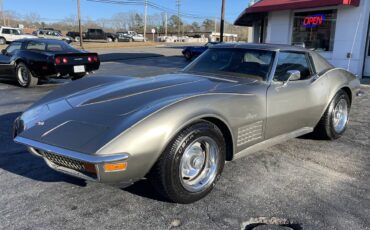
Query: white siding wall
x=349, y=21
x=279, y=31
x=279, y=27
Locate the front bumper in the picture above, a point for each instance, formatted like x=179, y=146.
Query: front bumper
x=84, y=166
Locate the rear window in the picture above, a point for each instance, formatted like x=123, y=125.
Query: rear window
x=36, y=46
x=44, y=46
x=54, y=47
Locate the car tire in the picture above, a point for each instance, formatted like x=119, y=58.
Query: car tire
x=109, y=40
x=77, y=39
x=188, y=55
x=334, y=122
x=24, y=76
x=131, y=40
x=2, y=41
x=78, y=76
x=191, y=164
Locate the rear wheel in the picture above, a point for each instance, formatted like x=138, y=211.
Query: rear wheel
x=109, y=39
x=78, y=76
x=77, y=39
x=2, y=41
x=191, y=164
x=335, y=119
x=188, y=55
x=24, y=76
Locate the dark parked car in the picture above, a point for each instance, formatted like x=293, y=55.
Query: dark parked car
x=99, y=34
x=75, y=35
x=194, y=51
x=28, y=60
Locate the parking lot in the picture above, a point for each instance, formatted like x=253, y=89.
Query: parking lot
x=312, y=184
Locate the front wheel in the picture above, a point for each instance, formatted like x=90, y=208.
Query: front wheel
x=24, y=76
x=335, y=119
x=191, y=164
x=109, y=40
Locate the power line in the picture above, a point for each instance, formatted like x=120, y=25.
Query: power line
x=153, y=6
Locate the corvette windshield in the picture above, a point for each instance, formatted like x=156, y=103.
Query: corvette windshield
x=234, y=62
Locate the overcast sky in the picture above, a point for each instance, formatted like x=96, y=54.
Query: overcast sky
x=50, y=10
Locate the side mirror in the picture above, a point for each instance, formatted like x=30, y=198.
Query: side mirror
x=3, y=52
x=293, y=75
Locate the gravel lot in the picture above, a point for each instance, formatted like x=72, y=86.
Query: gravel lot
x=310, y=184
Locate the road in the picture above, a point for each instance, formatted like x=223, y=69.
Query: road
x=312, y=184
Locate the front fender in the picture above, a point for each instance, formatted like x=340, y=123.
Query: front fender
x=147, y=139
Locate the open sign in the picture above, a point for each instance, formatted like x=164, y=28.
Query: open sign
x=313, y=20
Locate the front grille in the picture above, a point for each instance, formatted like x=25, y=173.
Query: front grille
x=64, y=161
x=83, y=167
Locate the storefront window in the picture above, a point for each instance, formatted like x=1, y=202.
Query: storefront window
x=315, y=29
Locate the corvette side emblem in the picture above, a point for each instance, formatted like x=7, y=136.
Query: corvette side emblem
x=40, y=123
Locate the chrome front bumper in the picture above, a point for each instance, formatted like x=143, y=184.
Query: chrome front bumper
x=72, y=158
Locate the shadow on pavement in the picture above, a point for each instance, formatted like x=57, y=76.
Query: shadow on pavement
x=106, y=57
x=15, y=159
x=50, y=82
x=143, y=188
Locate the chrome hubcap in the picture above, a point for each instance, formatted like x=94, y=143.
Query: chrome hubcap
x=198, y=166
x=22, y=76
x=340, y=116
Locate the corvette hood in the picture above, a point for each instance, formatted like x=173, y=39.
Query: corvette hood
x=82, y=114
x=122, y=98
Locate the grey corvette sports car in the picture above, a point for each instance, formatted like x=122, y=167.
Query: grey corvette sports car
x=178, y=130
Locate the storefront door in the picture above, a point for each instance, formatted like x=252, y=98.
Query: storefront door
x=367, y=61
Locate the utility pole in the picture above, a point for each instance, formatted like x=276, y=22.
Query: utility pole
x=145, y=17
x=79, y=24
x=178, y=17
x=215, y=25
x=222, y=23
x=2, y=11
x=165, y=24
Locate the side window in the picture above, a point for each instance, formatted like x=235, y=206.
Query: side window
x=16, y=32
x=292, y=61
x=15, y=46
x=6, y=31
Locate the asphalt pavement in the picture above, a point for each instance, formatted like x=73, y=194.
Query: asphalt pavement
x=301, y=184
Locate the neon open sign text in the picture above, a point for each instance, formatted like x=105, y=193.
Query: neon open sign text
x=313, y=20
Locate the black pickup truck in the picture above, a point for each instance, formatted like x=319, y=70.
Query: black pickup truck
x=99, y=34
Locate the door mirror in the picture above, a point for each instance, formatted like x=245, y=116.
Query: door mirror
x=293, y=75
x=3, y=52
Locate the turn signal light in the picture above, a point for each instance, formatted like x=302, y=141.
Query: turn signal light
x=114, y=167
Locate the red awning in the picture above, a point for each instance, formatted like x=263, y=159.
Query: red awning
x=265, y=6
